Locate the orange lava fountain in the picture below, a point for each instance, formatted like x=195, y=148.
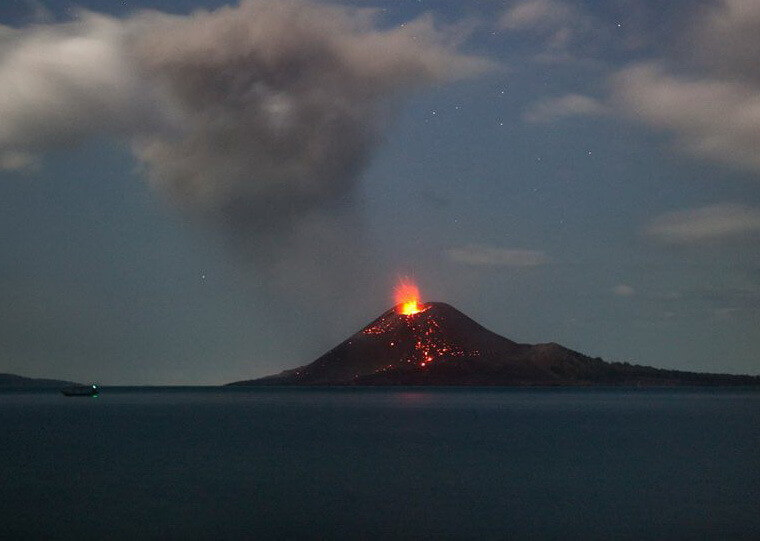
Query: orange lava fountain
x=408, y=298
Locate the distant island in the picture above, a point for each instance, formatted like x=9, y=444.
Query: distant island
x=12, y=381
x=436, y=344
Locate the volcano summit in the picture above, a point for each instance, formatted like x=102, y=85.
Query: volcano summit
x=436, y=344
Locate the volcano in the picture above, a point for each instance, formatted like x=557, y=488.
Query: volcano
x=436, y=344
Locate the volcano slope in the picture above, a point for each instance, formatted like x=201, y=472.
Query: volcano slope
x=439, y=345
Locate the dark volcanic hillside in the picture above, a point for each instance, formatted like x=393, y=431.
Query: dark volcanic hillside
x=441, y=346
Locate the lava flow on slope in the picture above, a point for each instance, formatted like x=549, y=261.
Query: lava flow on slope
x=433, y=343
x=414, y=343
x=396, y=342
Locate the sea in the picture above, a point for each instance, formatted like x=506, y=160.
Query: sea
x=381, y=463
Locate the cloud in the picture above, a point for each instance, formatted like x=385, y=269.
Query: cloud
x=717, y=118
x=705, y=90
x=64, y=82
x=480, y=255
x=279, y=104
x=726, y=39
x=563, y=29
x=267, y=104
x=11, y=160
x=259, y=117
x=713, y=108
x=551, y=109
x=711, y=223
x=558, y=20
x=623, y=290
x=536, y=14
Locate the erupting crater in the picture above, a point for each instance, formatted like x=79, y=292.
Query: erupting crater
x=433, y=343
x=408, y=298
x=418, y=343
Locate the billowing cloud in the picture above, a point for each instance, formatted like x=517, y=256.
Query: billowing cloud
x=267, y=107
x=64, y=82
x=481, y=255
x=569, y=105
x=623, y=290
x=714, y=108
x=259, y=116
x=711, y=223
x=277, y=105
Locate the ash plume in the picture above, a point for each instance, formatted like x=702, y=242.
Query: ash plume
x=259, y=116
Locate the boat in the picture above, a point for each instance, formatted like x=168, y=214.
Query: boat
x=81, y=390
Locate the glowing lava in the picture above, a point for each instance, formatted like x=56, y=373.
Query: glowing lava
x=408, y=298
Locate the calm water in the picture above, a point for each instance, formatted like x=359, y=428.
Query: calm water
x=367, y=463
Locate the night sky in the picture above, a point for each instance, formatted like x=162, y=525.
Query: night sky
x=195, y=192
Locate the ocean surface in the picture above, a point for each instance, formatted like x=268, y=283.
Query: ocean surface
x=237, y=463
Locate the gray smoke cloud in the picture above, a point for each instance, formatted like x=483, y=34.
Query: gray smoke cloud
x=260, y=116
x=277, y=105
